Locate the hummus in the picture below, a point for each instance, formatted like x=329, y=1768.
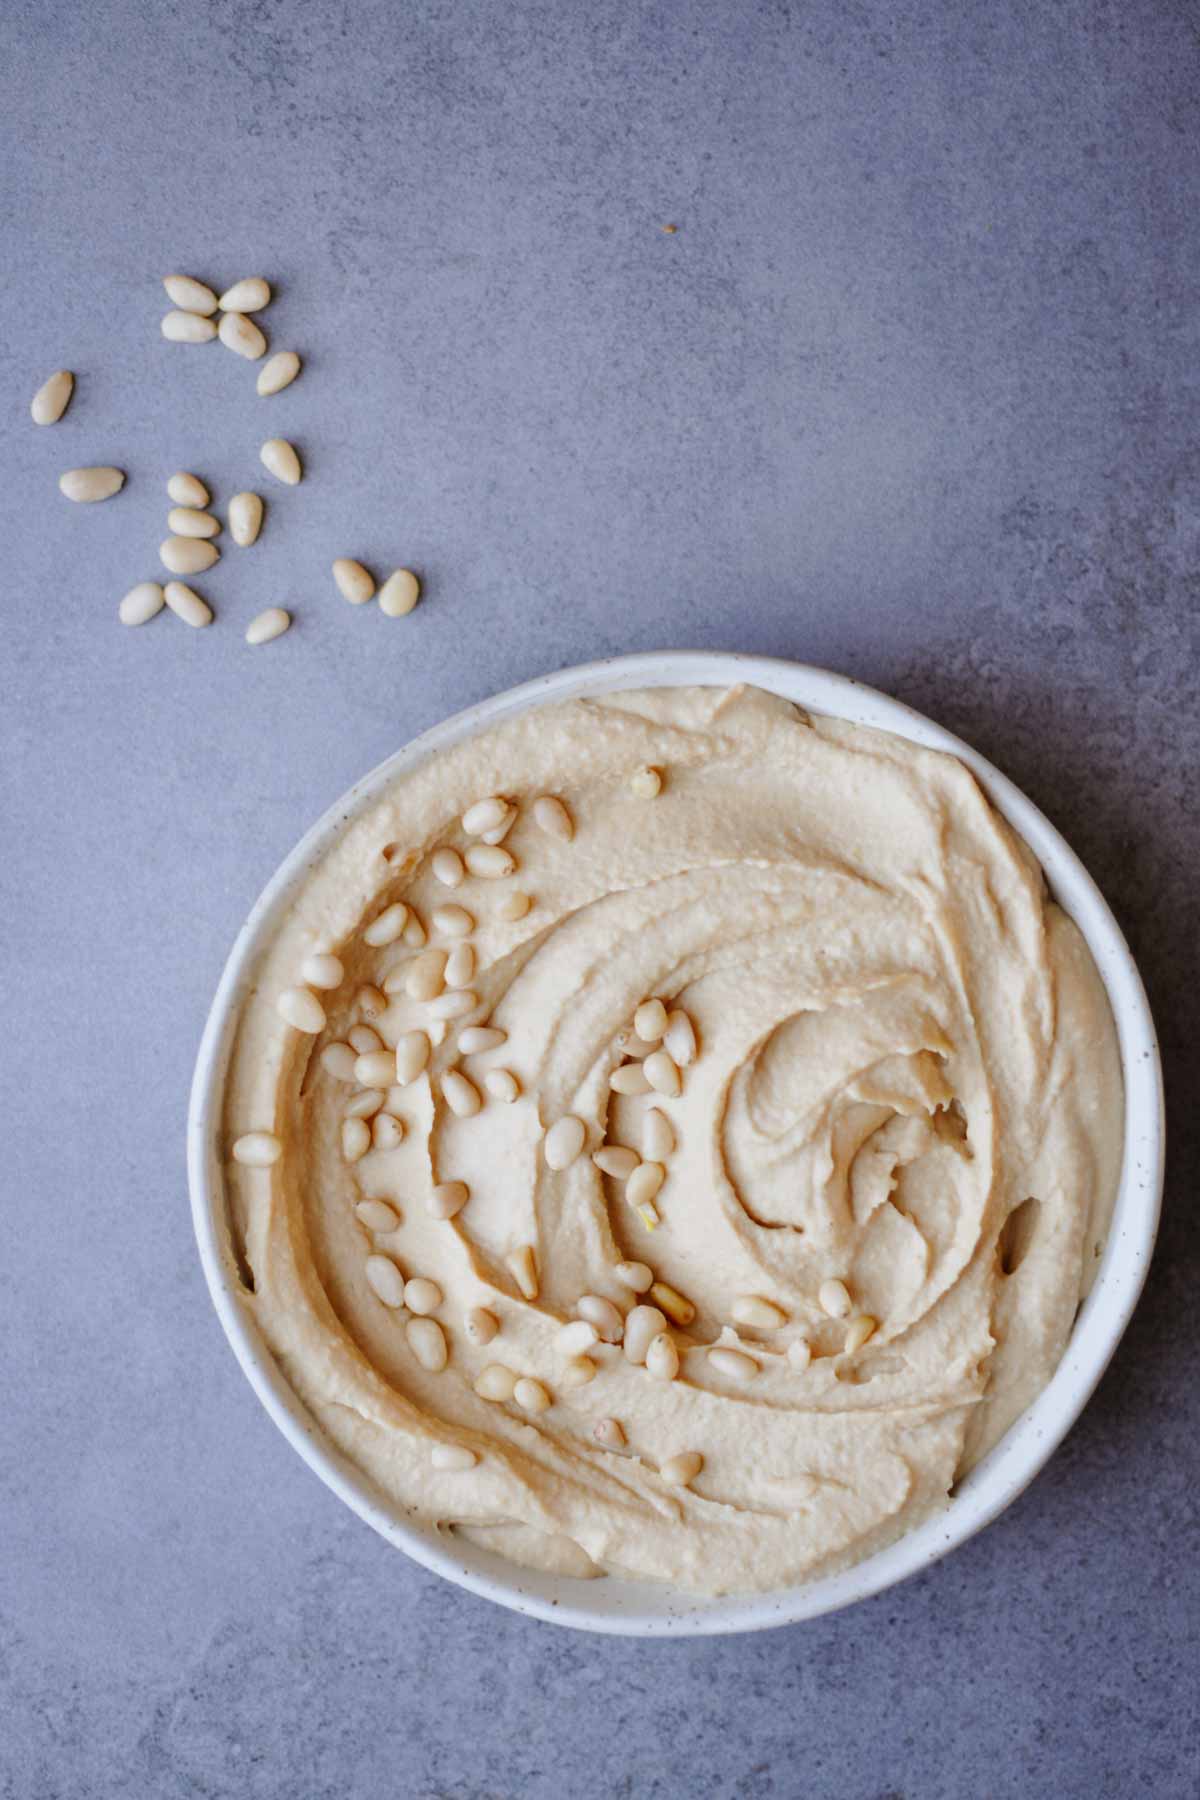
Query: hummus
x=888, y=1170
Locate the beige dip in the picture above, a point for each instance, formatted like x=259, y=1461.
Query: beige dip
x=901, y=1045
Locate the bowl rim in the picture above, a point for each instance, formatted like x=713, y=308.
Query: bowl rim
x=613, y=1605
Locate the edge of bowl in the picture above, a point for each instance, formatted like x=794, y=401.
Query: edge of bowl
x=641, y=1609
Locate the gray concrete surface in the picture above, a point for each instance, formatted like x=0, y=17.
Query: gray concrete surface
x=912, y=392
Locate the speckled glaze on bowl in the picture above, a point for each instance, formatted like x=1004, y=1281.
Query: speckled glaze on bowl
x=642, y=1609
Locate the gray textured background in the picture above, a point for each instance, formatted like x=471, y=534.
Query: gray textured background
x=912, y=392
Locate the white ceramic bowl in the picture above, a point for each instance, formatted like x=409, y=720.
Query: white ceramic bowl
x=645, y=1609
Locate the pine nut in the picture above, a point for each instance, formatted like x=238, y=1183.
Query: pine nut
x=364, y=1105
x=682, y=1470
x=752, y=1309
x=89, y=485
x=634, y=1047
x=799, y=1353
x=503, y=1085
x=658, y=1136
x=448, y=867
x=187, y=490
x=452, y=921
x=412, y=1054
x=485, y=815
x=266, y=626
x=189, y=294
x=377, y=1215
x=630, y=1078
x=608, y=1434
x=650, y=1021
x=187, y=605
x=575, y=1337
x=248, y=295
x=679, y=1039
x=278, y=372
x=300, y=1008
x=437, y=1029
x=577, y=1373
x=187, y=556
x=245, y=518
x=422, y=1296
x=455, y=1003
x=490, y=862
x=339, y=1061
x=453, y=1457
x=644, y=1183
x=610, y=1326
x=414, y=933
x=375, y=1069
x=514, y=906
x=859, y=1331
x=522, y=1265
x=427, y=1341
x=460, y=966
x=531, y=1395
x=616, y=1160
x=370, y=1002
x=648, y=1214
x=461, y=1096
x=141, y=603
x=385, y=1280
x=356, y=1139
x=635, y=1275
x=258, y=1149
x=473, y=1040
x=424, y=976
x=646, y=782
x=242, y=335
x=495, y=1383
x=386, y=928
x=552, y=817
x=662, y=1074
x=191, y=521
x=322, y=970
x=642, y=1325
x=833, y=1297
x=279, y=458
x=677, y=1307
x=354, y=583
x=448, y=1199
x=399, y=594
x=481, y=1325
x=564, y=1142
x=52, y=398
x=187, y=328
x=662, y=1357
x=735, y=1365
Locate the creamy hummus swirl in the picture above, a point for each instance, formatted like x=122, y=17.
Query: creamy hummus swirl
x=906, y=1082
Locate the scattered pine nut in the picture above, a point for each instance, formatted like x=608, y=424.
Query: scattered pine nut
x=799, y=1353
x=564, y=1142
x=412, y=1055
x=248, y=295
x=190, y=295
x=608, y=1434
x=461, y=1096
x=187, y=328
x=662, y=1073
x=650, y=1021
x=278, y=372
x=456, y=1458
x=495, y=1383
x=752, y=1309
x=245, y=519
x=503, y=1085
x=363, y=1041
x=187, y=490
x=679, y=1039
x=365, y=1104
x=377, y=1215
x=385, y=1279
x=89, y=485
x=677, y=1307
x=833, y=1297
x=338, y=1060
x=279, y=458
x=424, y=976
x=644, y=1183
x=616, y=1160
x=460, y=966
x=191, y=522
x=552, y=817
x=662, y=1357
x=141, y=603
x=735, y=1365
x=353, y=582
x=448, y=867
x=642, y=1325
x=576, y=1373
x=496, y=834
x=630, y=1078
x=370, y=1002
x=646, y=783
x=266, y=626
x=427, y=1341
x=376, y=1069
x=258, y=1149
x=455, y=1003
x=514, y=906
x=399, y=594
x=187, y=556
x=52, y=398
x=448, y=1199
x=356, y=1139
x=522, y=1265
x=481, y=1325
x=682, y=1470
x=576, y=1336
x=485, y=815
x=422, y=1296
x=242, y=335
x=387, y=926
x=414, y=933
x=452, y=921
x=473, y=1040
x=187, y=604
x=658, y=1135
x=601, y=1313
x=490, y=862
x=531, y=1395
x=859, y=1331
x=635, y=1275
x=647, y=1212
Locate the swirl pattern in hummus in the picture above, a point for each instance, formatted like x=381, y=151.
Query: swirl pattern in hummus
x=901, y=1041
